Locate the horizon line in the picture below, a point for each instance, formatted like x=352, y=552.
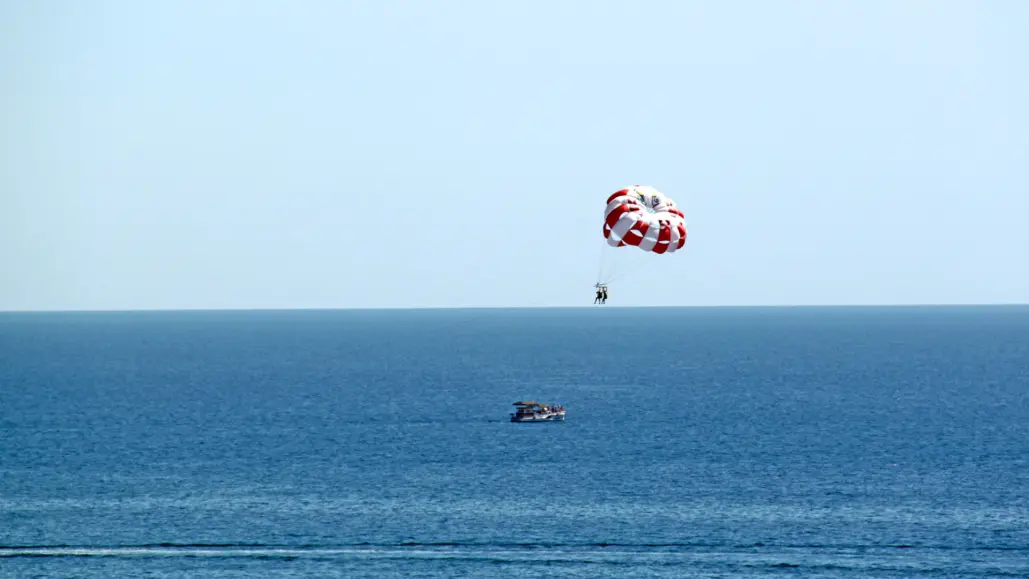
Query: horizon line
x=499, y=307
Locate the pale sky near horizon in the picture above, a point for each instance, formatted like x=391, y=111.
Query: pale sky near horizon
x=258, y=154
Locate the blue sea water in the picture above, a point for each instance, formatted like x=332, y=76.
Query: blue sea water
x=721, y=442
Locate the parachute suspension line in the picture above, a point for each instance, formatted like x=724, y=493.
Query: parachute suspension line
x=600, y=267
x=619, y=262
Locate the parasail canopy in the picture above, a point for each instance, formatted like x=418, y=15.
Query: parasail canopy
x=646, y=218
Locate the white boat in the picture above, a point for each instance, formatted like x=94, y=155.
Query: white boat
x=531, y=411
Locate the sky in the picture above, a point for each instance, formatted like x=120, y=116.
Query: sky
x=388, y=153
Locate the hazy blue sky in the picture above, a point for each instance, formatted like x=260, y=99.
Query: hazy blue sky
x=440, y=153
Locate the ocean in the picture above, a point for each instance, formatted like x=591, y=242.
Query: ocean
x=886, y=442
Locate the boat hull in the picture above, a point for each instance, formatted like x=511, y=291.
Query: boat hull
x=548, y=418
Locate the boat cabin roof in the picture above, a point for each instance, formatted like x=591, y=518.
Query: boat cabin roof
x=533, y=404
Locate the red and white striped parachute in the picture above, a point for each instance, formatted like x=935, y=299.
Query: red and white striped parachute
x=644, y=217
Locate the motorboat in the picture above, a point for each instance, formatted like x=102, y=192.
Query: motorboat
x=532, y=411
